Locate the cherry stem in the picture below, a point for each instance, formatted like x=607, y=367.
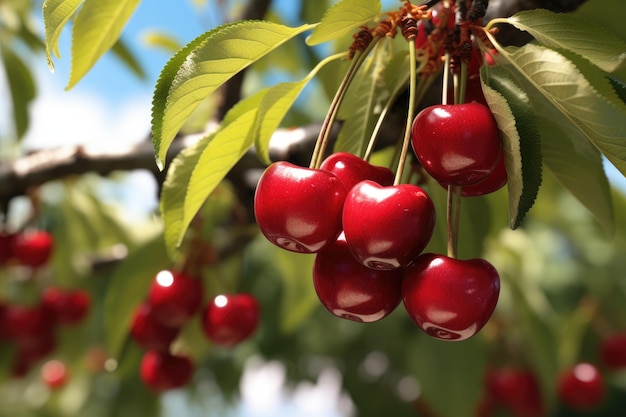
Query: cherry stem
x=409, y=118
x=453, y=209
x=322, y=139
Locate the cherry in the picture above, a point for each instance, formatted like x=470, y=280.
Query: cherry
x=613, y=351
x=349, y=290
x=494, y=181
x=174, y=297
x=54, y=374
x=230, y=319
x=457, y=144
x=450, y=299
x=67, y=307
x=33, y=248
x=387, y=227
x=28, y=326
x=6, y=247
x=581, y=387
x=161, y=371
x=27, y=354
x=299, y=209
x=517, y=390
x=351, y=170
x=150, y=333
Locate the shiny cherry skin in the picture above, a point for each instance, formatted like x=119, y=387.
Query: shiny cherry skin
x=54, y=374
x=457, y=144
x=613, y=351
x=517, y=390
x=161, y=371
x=69, y=307
x=33, y=248
x=387, y=227
x=494, y=181
x=448, y=298
x=150, y=333
x=351, y=170
x=299, y=209
x=581, y=387
x=349, y=290
x=230, y=319
x=174, y=297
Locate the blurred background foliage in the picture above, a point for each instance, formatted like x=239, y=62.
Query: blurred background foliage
x=563, y=279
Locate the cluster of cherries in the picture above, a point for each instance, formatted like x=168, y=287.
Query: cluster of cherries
x=580, y=387
x=368, y=231
x=173, y=299
x=31, y=328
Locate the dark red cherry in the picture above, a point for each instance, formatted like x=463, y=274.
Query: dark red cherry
x=450, y=299
x=150, y=333
x=613, y=351
x=33, y=248
x=387, y=227
x=69, y=307
x=161, y=371
x=230, y=319
x=494, y=181
x=174, y=297
x=457, y=144
x=6, y=247
x=581, y=387
x=352, y=291
x=28, y=326
x=299, y=209
x=351, y=170
x=517, y=390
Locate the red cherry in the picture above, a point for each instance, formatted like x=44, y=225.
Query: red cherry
x=6, y=247
x=33, y=248
x=28, y=325
x=457, y=144
x=450, y=299
x=351, y=170
x=517, y=390
x=299, y=209
x=150, y=333
x=613, y=351
x=494, y=181
x=387, y=227
x=68, y=307
x=174, y=297
x=581, y=387
x=54, y=374
x=27, y=355
x=161, y=371
x=352, y=291
x=230, y=319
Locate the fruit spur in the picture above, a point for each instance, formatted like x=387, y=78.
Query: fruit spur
x=369, y=226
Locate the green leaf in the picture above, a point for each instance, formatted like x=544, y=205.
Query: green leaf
x=343, y=18
x=172, y=200
x=157, y=39
x=366, y=94
x=197, y=170
x=559, y=30
x=434, y=363
x=619, y=87
x=56, y=14
x=22, y=88
x=121, y=50
x=128, y=287
x=521, y=142
x=204, y=65
x=97, y=27
x=574, y=114
x=275, y=105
